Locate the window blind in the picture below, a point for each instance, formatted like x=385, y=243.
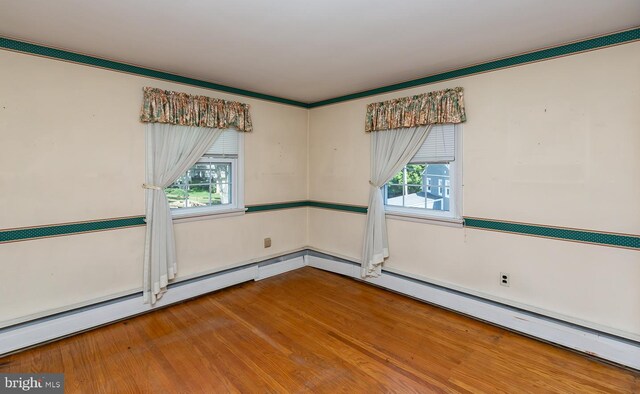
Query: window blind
x=225, y=146
x=439, y=147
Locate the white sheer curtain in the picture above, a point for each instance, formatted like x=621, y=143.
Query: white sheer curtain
x=390, y=151
x=171, y=150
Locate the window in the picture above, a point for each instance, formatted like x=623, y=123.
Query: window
x=438, y=163
x=212, y=184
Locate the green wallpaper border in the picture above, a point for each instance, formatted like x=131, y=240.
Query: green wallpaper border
x=338, y=207
x=531, y=57
x=627, y=241
x=41, y=50
x=535, y=56
x=593, y=237
x=56, y=230
x=276, y=206
x=306, y=203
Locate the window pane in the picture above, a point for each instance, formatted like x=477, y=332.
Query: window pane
x=414, y=174
x=183, y=180
x=410, y=187
x=221, y=193
x=437, y=174
x=199, y=173
x=221, y=172
x=198, y=195
x=394, y=191
x=176, y=196
x=204, y=184
x=414, y=189
x=221, y=183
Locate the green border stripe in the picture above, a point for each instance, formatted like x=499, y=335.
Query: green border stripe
x=544, y=54
x=298, y=204
x=271, y=207
x=594, y=43
x=127, y=68
x=338, y=207
x=626, y=241
x=586, y=236
x=67, y=229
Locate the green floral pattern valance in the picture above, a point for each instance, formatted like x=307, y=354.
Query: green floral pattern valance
x=165, y=106
x=443, y=106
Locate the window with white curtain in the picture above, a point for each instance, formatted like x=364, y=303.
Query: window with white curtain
x=438, y=163
x=213, y=183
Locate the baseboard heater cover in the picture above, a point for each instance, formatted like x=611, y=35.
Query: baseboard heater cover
x=49, y=328
x=589, y=341
x=608, y=347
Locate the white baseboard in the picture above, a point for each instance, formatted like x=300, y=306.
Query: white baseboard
x=607, y=347
x=611, y=348
x=280, y=267
x=64, y=324
x=338, y=267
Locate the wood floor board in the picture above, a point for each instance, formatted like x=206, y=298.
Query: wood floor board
x=317, y=341
x=442, y=355
x=313, y=331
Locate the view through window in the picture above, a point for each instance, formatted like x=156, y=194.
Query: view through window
x=205, y=184
x=428, y=184
x=212, y=181
x=411, y=187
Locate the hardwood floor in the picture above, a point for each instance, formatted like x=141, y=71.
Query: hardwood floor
x=313, y=331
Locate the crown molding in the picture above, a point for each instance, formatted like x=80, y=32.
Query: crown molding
x=576, y=47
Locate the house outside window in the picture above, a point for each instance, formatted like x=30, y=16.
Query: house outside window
x=438, y=162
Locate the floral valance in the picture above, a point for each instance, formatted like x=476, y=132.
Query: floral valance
x=165, y=106
x=443, y=106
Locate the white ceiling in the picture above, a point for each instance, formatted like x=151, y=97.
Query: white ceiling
x=309, y=50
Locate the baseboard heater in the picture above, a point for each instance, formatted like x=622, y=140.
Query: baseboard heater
x=28, y=334
x=618, y=350
x=594, y=343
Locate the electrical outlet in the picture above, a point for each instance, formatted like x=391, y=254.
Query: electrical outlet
x=267, y=242
x=505, y=280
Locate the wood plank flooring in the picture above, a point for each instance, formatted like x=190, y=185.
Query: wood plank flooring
x=313, y=331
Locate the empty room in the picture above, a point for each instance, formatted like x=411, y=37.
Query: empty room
x=332, y=196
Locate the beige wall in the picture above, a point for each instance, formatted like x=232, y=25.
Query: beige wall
x=554, y=143
x=72, y=149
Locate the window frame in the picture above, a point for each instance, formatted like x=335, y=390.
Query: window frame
x=237, y=190
x=453, y=217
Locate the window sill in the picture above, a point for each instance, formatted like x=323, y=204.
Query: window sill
x=184, y=217
x=428, y=219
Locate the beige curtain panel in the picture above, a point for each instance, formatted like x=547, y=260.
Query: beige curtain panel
x=389, y=153
x=171, y=150
x=165, y=106
x=443, y=106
